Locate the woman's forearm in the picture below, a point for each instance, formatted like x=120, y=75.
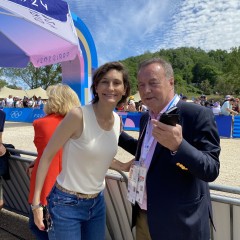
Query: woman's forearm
x=40, y=178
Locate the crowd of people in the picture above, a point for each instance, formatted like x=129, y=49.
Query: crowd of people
x=25, y=102
x=229, y=106
x=132, y=106
x=173, y=163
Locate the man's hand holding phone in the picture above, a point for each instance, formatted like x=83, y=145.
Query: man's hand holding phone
x=167, y=131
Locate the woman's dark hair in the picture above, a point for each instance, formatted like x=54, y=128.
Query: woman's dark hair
x=102, y=70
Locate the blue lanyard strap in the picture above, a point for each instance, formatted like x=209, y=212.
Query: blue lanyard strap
x=173, y=102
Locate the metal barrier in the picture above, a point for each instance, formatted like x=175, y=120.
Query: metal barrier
x=226, y=209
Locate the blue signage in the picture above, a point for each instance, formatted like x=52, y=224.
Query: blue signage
x=23, y=114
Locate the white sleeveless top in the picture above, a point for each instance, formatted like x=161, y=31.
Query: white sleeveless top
x=86, y=160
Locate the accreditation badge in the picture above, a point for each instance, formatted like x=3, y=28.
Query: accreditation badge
x=141, y=184
x=132, y=182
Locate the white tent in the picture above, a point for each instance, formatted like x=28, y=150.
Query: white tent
x=38, y=92
x=137, y=97
x=5, y=92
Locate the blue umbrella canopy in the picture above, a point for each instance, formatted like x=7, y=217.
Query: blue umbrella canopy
x=41, y=32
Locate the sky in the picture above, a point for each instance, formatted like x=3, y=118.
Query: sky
x=126, y=28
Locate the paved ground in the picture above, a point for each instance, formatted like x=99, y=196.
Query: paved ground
x=13, y=226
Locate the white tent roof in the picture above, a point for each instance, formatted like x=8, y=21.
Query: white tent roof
x=38, y=92
x=5, y=92
x=137, y=97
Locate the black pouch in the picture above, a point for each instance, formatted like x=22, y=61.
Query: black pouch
x=47, y=221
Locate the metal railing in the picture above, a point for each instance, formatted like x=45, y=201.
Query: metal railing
x=226, y=209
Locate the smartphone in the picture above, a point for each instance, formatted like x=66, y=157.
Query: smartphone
x=172, y=110
x=47, y=221
x=170, y=117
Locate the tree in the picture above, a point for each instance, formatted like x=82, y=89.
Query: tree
x=36, y=77
x=3, y=83
x=195, y=71
x=232, y=64
x=13, y=86
x=227, y=85
x=205, y=86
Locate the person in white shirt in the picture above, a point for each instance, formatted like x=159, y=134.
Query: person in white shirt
x=226, y=108
x=9, y=101
x=89, y=136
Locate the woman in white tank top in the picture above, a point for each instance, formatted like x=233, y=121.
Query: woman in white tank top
x=89, y=136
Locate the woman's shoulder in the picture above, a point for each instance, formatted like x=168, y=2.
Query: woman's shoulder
x=75, y=114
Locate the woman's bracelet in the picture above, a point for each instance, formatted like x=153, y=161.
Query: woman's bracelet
x=34, y=207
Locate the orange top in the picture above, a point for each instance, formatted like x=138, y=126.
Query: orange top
x=44, y=129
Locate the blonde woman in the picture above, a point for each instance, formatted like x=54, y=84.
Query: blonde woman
x=61, y=99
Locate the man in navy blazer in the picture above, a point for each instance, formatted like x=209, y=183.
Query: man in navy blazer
x=180, y=160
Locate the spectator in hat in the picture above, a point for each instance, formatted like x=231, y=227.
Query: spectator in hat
x=227, y=97
x=131, y=106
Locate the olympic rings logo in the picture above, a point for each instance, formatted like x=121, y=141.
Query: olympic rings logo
x=16, y=114
x=38, y=115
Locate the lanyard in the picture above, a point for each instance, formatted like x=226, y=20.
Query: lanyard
x=148, y=139
x=173, y=103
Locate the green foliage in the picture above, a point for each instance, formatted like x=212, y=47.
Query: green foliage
x=14, y=86
x=205, y=86
x=3, y=83
x=196, y=71
x=35, y=77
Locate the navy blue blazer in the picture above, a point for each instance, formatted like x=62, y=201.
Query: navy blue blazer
x=178, y=197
